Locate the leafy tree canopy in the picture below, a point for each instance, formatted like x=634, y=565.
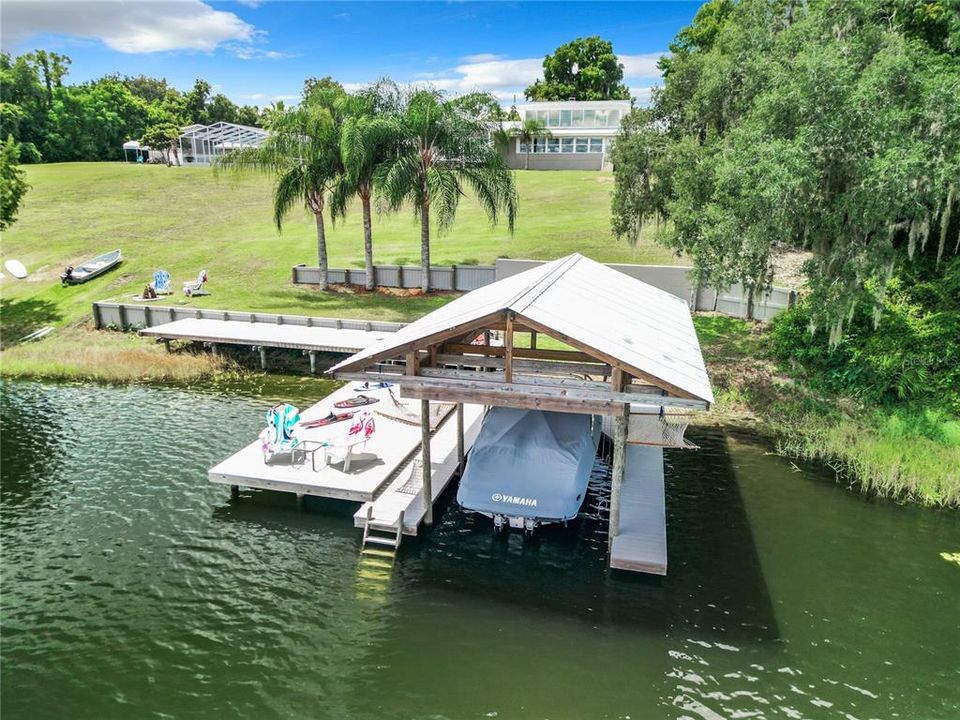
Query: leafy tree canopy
x=55, y=122
x=831, y=126
x=583, y=69
x=13, y=184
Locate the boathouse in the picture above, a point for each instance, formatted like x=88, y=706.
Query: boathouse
x=569, y=336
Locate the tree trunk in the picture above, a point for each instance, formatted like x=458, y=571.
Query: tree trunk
x=526, y=158
x=321, y=249
x=425, y=248
x=367, y=240
x=750, y=303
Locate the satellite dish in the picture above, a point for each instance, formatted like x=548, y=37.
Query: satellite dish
x=16, y=268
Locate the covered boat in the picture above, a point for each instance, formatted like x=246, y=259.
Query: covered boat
x=529, y=467
x=91, y=268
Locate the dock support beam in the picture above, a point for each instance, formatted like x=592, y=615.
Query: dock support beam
x=460, y=438
x=313, y=362
x=620, y=423
x=263, y=358
x=427, y=490
x=234, y=491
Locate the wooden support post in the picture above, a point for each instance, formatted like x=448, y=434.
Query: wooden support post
x=460, y=449
x=97, y=321
x=166, y=344
x=427, y=490
x=413, y=363
x=619, y=460
x=263, y=357
x=213, y=349
x=533, y=339
x=235, y=491
x=300, y=497
x=508, y=350
x=313, y=361
x=122, y=314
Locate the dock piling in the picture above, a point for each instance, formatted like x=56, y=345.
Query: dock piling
x=460, y=452
x=263, y=357
x=619, y=456
x=313, y=361
x=427, y=490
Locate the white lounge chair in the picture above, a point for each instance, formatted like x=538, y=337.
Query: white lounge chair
x=361, y=430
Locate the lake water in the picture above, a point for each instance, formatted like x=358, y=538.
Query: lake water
x=133, y=588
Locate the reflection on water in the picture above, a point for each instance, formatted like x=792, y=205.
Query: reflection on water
x=132, y=587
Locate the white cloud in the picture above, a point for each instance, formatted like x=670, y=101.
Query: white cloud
x=480, y=57
x=642, y=95
x=145, y=26
x=250, y=3
x=641, y=66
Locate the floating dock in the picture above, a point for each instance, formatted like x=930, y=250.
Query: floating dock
x=379, y=470
x=641, y=545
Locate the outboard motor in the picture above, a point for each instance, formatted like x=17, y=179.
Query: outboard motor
x=66, y=274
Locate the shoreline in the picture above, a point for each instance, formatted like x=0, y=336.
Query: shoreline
x=751, y=396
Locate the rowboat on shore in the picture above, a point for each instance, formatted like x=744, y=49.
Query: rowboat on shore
x=90, y=269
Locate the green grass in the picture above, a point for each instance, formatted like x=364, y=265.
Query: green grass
x=185, y=219
x=905, y=452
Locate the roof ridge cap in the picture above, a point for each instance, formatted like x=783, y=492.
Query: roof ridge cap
x=530, y=295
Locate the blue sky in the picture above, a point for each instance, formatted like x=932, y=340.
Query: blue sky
x=256, y=52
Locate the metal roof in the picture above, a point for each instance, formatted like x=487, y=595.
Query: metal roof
x=227, y=133
x=599, y=308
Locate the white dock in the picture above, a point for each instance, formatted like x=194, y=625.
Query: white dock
x=641, y=545
x=402, y=494
x=261, y=334
x=380, y=470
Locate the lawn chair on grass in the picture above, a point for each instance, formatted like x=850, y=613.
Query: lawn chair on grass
x=161, y=282
x=196, y=288
x=278, y=438
x=360, y=431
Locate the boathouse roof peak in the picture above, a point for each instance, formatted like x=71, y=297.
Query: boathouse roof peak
x=635, y=328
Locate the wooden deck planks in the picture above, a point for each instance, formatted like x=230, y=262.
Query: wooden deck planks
x=238, y=332
x=393, y=443
x=641, y=545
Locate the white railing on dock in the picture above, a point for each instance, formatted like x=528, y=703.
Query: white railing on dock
x=142, y=315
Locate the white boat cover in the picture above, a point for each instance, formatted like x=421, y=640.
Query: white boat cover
x=530, y=463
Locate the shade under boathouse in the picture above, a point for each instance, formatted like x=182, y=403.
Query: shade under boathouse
x=570, y=336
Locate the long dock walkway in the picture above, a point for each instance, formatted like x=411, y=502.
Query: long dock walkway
x=238, y=332
x=641, y=545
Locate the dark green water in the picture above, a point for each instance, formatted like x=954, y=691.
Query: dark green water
x=132, y=588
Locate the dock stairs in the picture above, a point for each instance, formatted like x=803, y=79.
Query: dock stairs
x=382, y=533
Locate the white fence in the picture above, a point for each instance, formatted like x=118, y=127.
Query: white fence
x=462, y=278
x=127, y=315
x=675, y=279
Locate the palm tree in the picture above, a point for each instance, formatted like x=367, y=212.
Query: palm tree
x=365, y=140
x=437, y=152
x=302, y=151
x=528, y=130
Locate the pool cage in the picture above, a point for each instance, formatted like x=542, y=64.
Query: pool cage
x=202, y=144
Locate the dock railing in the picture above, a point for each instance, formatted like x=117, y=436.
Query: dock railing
x=674, y=279
x=141, y=315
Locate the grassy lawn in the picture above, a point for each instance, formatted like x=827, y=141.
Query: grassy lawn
x=185, y=219
x=906, y=452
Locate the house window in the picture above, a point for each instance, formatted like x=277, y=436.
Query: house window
x=613, y=118
x=553, y=145
x=583, y=145
x=566, y=118
x=600, y=118
x=596, y=145
x=566, y=145
x=522, y=147
x=553, y=118
x=576, y=118
x=589, y=118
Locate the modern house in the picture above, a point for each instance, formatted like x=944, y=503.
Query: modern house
x=579, y=135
